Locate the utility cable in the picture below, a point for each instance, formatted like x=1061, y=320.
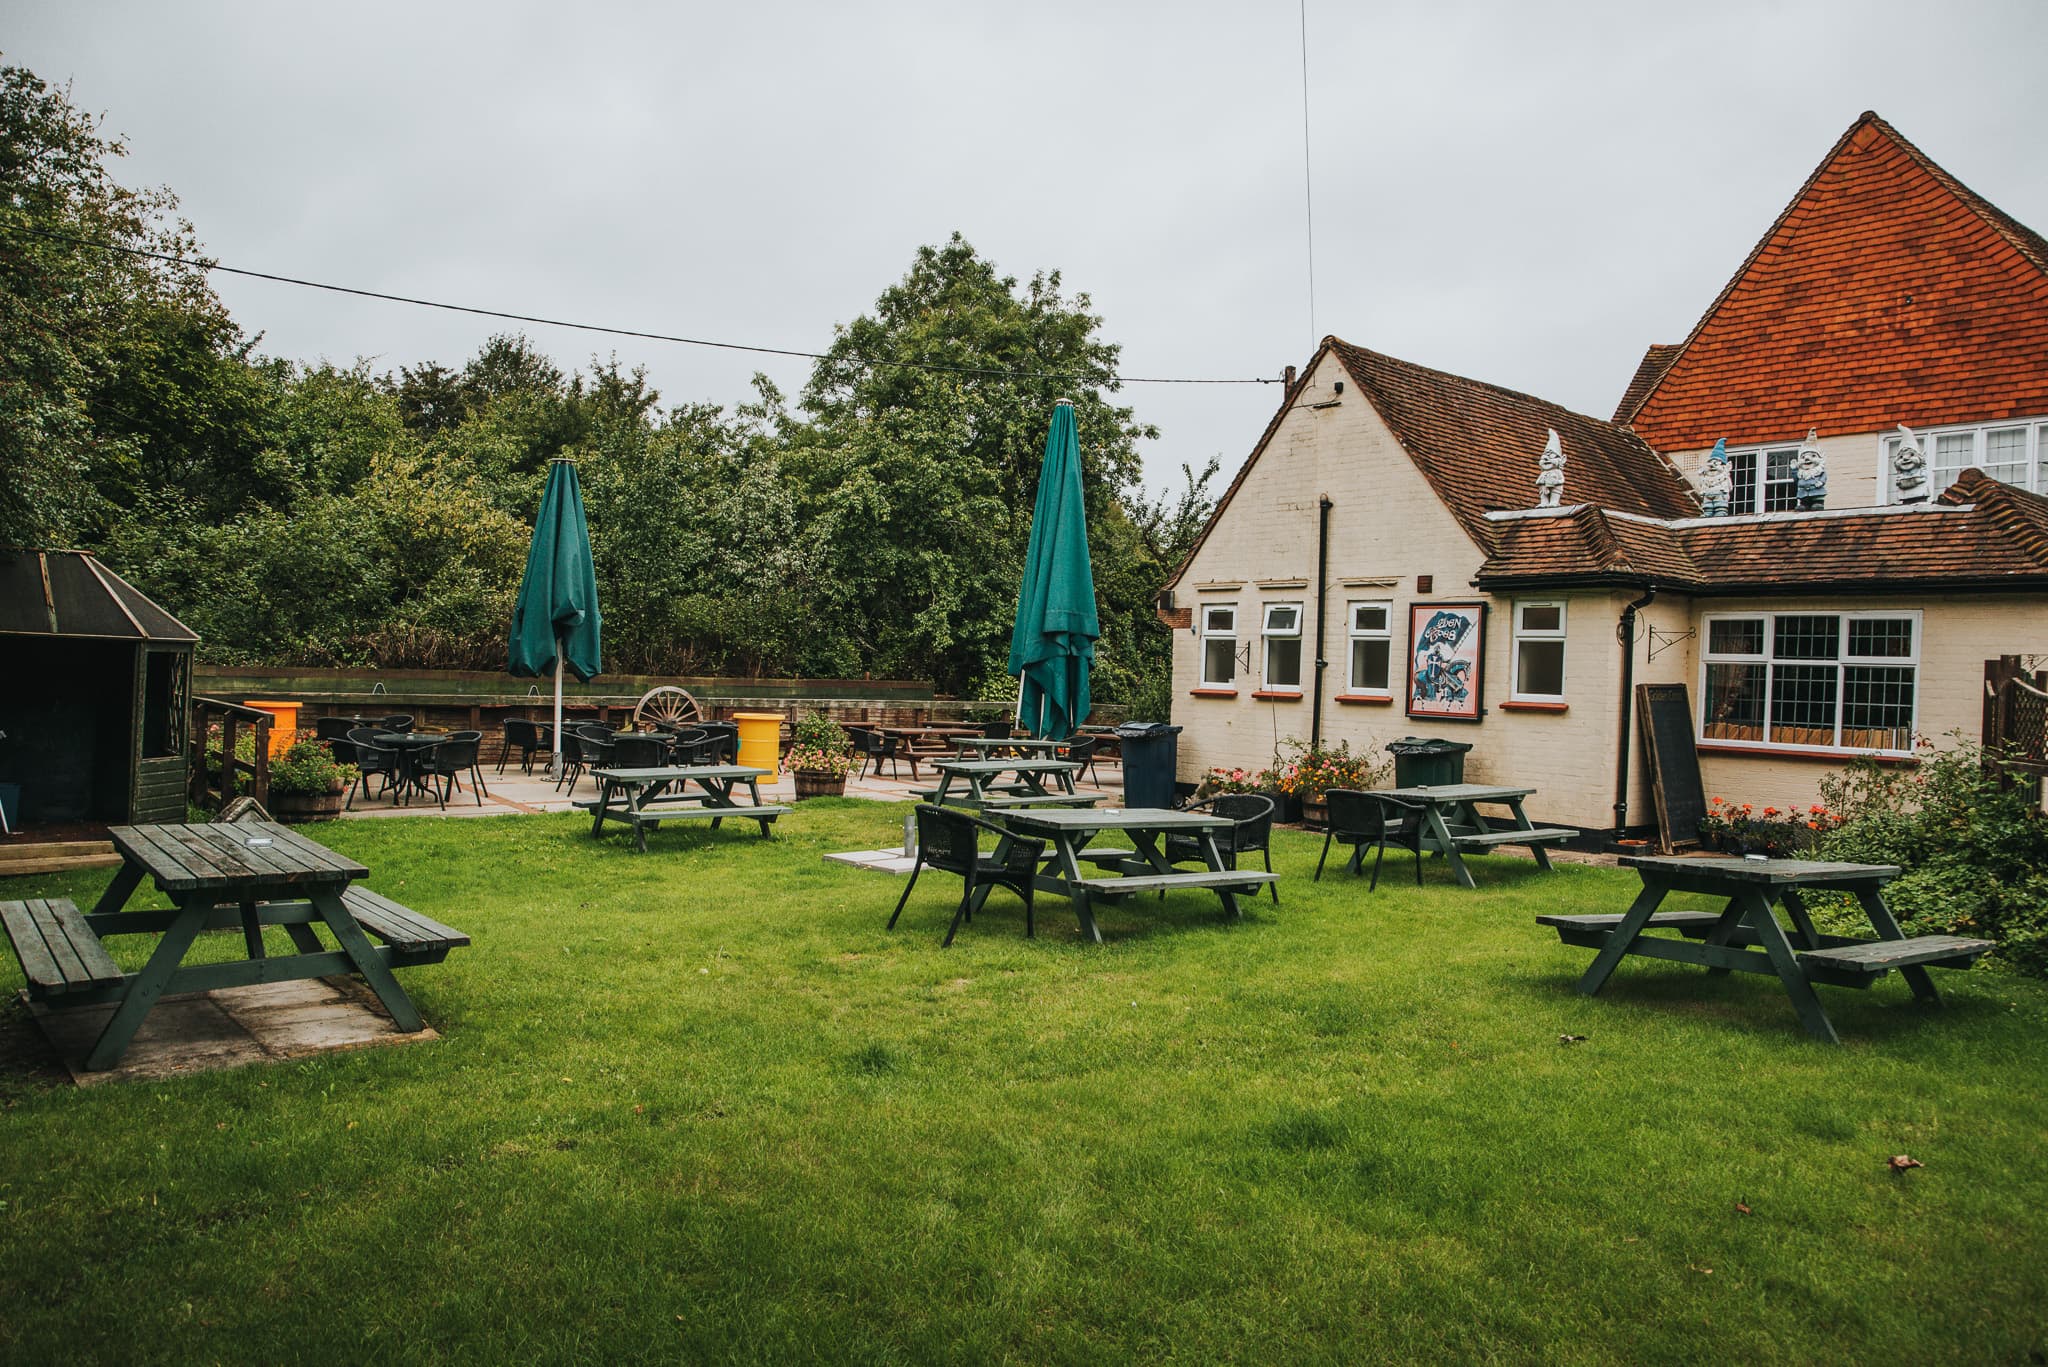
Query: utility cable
x=980, y=371
x=1308, y=182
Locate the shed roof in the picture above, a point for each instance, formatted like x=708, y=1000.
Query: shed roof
x=70, y=593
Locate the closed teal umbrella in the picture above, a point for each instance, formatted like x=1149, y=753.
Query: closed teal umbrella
x=556, y=623
x=1052, y=645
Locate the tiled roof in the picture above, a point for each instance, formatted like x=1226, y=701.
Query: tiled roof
x=1885, y=292
x=1649, y=370
x=1979, y=534
x=1477, y=444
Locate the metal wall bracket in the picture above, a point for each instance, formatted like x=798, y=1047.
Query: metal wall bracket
x=1661, y=641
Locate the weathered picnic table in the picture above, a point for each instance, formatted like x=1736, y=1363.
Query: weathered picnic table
x=1453, y=827
x=221, y=876
x=644, y=798
x=926, y=742
x=1143, y=868
x=977, y=783
x=989, y=747
x=1745, y=936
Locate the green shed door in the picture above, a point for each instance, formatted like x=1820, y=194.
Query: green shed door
x=160, y=773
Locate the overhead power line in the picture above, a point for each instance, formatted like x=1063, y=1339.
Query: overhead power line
x=215, y=266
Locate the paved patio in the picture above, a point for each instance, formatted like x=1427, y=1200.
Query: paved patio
x=514, y=792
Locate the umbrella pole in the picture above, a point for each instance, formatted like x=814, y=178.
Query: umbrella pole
x=555, y=765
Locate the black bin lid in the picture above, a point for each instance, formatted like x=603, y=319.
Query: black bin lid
x=1427, y=745
x=1145, y=730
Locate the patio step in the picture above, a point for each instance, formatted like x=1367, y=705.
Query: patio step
x=56, y=856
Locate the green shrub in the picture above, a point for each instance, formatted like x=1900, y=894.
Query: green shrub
x=307, y=770
x=818, y=732
x=1974, y=850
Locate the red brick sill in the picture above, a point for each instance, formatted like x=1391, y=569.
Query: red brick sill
x=1278, y=695
x=1801, y=752
x=1366, y=699
x=1516, y=705
x=1212, y=692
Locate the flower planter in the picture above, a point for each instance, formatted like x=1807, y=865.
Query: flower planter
x=1286, y=806
x=1315, y=815
x=815, y=783
x=308, y=806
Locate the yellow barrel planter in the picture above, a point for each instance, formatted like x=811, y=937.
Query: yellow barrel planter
x=760, y=740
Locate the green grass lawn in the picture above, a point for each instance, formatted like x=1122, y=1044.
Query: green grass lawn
x=698, y=1105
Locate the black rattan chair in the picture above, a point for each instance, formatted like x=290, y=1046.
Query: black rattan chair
x=529, y=738
x=598, y=749
x=640, y=752
x=998, y=730
x=1251, y=829
x=442, y=764
x=371, y=760
x=401, y=722
x=873, y=747
x=1360, y=819
x=948, y=839
x=1081, y=750
x=571, y=750
x=333, y=728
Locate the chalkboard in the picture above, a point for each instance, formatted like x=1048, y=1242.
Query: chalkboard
x=1665, y=714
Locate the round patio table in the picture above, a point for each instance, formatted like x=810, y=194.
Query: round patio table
x=411, y=746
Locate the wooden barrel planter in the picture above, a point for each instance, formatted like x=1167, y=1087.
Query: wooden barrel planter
x=813, y=783
x=308, y=806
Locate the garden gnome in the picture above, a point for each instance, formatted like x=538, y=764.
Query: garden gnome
x=1909, y=469
x=1550, y=482
x=1812, y=488
x=1715, y=481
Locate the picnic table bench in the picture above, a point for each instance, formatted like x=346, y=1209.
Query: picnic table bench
x=243, y=874
x=644, y=798
x=1746, y=937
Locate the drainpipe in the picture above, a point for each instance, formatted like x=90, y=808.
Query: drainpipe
x=1626, y=633
x=1315, y=716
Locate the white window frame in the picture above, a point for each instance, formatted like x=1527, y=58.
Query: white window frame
x=1269, y=634
x=1211, y=633
x=1842, y=662
x=1354, y=634
x=2034, y=459
x=1523, y=633
x=1760, y=458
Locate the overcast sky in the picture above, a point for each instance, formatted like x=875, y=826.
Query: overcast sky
x=1523, y=193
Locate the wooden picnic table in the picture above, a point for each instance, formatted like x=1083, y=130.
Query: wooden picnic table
x=1452, y=825
x=977, y=783
x=1143, y=868
x=644, y=798
x=925, y=742
x=249, y=874
x=1745, y=936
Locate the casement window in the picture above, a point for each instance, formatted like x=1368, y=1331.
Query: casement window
x=1539, y=651
x=1766, y=480
x=1372, y=648
x=1839, y=681
x=2015, y=452
x=1219, y=647
x=1283, y=647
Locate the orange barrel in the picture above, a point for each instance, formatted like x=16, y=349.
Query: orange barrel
x=284, y=727
x=760, y=740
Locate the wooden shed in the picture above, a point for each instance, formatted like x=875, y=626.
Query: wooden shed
x=94, y=681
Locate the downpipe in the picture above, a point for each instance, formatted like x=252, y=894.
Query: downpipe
x=1315, y=715
x=1625, y=632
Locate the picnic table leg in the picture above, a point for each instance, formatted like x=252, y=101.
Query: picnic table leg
x=364, y=956
x=1783, y=958
x=1447, y=847
x=1723, y=932
x=1622, y=936
x=126, y=880
x=1076, y=889
x=1214, y=856
x=754, y=788
x=1801, y=922
x=1887, y=927
x=1522, y=823
x=604, y=798
x=146, y=986
x=252, y=930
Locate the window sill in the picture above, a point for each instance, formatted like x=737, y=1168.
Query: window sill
x=1278, y=694
x=1532, y=705
x=1212, y=692
x=1805, y=752
x=1366, y=699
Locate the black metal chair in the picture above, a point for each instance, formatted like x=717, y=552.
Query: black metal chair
x=442, y=764
x=370, y=759
x=1251, y=830
x=333, y=728
x=640, y=752
x=529, y=738
x=570, y=750
x=722, y=741
x=873, y=747
x=1081, y=750
x=599, y=752
x=948, y=839
x=998, y=730
x=1360, y=819
x=401, y=722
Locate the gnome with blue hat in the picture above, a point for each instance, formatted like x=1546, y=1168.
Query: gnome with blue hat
x=1715, y=483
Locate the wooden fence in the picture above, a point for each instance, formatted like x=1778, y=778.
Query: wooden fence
x=2016, y=719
